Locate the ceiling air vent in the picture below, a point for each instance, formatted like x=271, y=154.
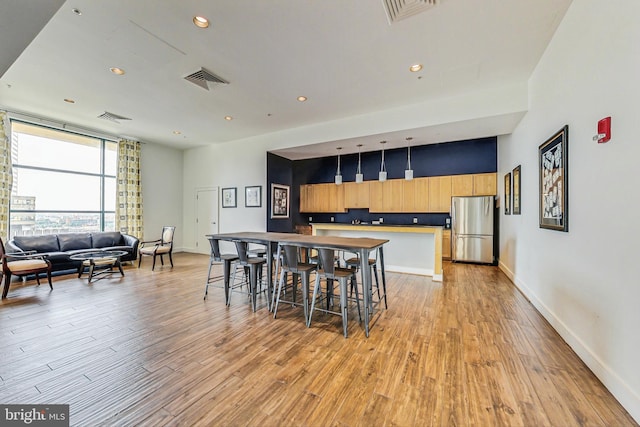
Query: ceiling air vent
x=112, y=117
x=203, y=77
x=401, y=9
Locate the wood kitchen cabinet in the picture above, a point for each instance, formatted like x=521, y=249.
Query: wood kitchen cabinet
x=462, y=185
x=415, y=195
x=439, y=193
x=305, y=199
x=478, y=184
x=321, y=198
x=446, y=244
x=485, y=184
x=386, y=196
x=356, y=196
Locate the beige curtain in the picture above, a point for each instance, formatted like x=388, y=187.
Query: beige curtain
x=6, y=175
x=129, y=188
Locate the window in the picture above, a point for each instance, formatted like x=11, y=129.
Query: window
x=62, y=181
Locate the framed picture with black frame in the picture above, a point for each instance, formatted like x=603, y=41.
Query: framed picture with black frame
x=230, y=197
x=279, y=201
x=516, y=191
x=553, y=157
x=253, y=196
x=507, y=194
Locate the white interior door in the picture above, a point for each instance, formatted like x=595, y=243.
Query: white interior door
x=206, y=217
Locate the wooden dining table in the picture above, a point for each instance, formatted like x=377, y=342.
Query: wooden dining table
x=363, y=246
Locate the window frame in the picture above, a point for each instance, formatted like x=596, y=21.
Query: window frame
x=101, y=175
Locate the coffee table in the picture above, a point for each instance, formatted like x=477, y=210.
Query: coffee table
x=99, y=262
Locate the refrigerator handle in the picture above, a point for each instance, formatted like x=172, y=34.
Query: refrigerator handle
x=452, y=211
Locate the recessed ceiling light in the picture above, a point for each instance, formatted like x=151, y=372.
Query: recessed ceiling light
x=76, y=11
x=415, y=68
x=201, y=22
x=69, y=100
x=302, y=98
x=117, y=71
x=176, y=132
x=228, y=118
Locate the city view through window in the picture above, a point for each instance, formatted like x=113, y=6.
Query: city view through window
x=62, y=182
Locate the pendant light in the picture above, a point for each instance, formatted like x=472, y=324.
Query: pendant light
x=382, y=175
x=359, y=176
x=408, y=173
x=338, y=177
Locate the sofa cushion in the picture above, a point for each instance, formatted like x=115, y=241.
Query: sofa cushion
x=106, y=239
x=46, y=243
x=72, y=241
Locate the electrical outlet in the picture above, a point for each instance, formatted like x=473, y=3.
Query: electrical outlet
x=310, y=219
x=415, y=220
x=332, y=219
x=381, y=220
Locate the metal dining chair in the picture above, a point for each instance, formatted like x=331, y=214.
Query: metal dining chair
x=329, y=271
x=217, y=258
x=290, y=264
x=254, y=265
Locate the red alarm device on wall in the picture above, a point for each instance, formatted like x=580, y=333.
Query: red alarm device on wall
x=604, y=130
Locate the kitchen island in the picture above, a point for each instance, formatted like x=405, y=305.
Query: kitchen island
x=414, y=249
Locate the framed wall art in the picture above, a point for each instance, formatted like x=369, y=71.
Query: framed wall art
x=229, y=197
x=553, y=158
x=516, y=190
x=279, y=201
x=253, y=196
x=507, y=194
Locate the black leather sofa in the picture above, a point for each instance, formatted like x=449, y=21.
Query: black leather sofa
x=59, y=247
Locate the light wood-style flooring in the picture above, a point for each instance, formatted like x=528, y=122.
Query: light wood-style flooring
x=146, y=350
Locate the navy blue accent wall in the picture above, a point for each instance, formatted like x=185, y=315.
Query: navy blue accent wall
x=280, y=171
x=451, y=158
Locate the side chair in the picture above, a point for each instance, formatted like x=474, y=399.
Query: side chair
x=22, y=264
x=159, y=247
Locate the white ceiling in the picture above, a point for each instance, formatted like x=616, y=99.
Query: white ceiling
x=342, y=54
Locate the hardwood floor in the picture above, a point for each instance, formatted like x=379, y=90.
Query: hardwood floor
x=147, y=350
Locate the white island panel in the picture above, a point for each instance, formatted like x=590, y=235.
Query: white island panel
x=411, y=249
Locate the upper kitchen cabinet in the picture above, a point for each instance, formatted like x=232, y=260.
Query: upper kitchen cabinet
x=462, y=185
x=356, y=196
x=485, y=184
x=415, y=195
x=320, y=198
x=479, y=184
x=386, y=196
x=439, y=193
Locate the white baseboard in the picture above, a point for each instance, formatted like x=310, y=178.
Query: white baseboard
x=627, y=397
x=409, y=270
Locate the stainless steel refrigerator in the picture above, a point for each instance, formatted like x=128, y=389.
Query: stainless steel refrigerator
x=472, y=229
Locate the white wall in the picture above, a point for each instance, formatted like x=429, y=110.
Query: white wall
x=235, y=164
x=161, y=171
x=585, y=281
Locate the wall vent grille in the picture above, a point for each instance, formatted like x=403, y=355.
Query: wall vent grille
x=204, y=78
x=401, y=9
